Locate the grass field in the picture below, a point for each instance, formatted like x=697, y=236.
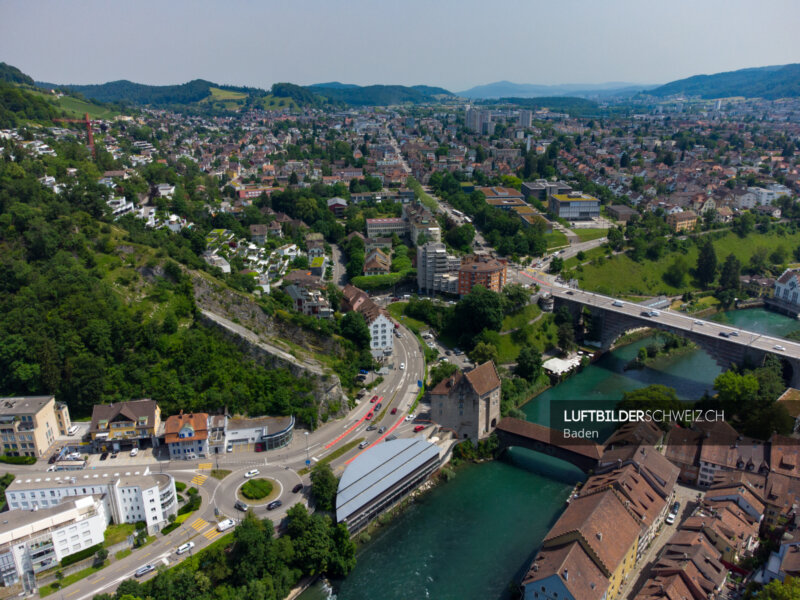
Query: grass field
x=587, y=235
x=518, y=320
x=541, y=335
x=620, y=275
x=270, y=102
x=76, y=108
x=590, y=255
x=396, y=310
x=115, y=534
x=70, y=579
x=556, y=240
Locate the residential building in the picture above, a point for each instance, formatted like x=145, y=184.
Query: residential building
x=337, y=206
x=421, y=221
x=258, y=234
x=437, y=271
x=574, y=206
x=318, y=265
x=315, y=249
x=729, y=528
x=381, y=327
x=682, y=221
x=32, y=541
x=377, y=263
x=564, y=573
x=381, y=243
x=29, y=424
x=130, y=494
x=786, y=287
x=125, y=424
x=186, y=435
x=468, y=403
x=309, y=301
x=481, y=269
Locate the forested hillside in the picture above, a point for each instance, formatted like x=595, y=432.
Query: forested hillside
x=765, y=82
x=96, y=311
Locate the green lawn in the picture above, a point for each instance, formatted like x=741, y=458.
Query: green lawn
x=70, y=579
x=115, y=534
x=587, y=235
x=257, y=489
x=541, y=335
x=220, y=473
x=396, y=310
x=531, y=311
x=556, y=240
x=621, y=276
x=271, y=102
x=590, y=255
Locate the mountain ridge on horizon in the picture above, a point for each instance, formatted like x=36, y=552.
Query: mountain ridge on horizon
x=505, y=88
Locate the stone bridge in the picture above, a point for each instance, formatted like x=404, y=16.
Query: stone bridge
x=726, y=345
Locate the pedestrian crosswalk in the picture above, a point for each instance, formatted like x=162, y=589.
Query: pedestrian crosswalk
x=212, y=534
x=205, y=466
x=199, y=480
x=199, y=524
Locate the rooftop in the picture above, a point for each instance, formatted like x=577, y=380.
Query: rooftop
x=27, y=405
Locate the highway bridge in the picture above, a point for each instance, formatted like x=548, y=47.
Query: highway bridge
x=725, y=344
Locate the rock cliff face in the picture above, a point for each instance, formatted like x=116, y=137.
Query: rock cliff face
x=265, y=339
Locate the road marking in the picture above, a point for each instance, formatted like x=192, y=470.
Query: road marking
x=72, y=593
x=199, y=479
x=212, y=534
x=203, y=466
x=199, y=524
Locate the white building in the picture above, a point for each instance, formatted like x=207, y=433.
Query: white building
x=130, y=494
x=787, y=286
x=437, y=271
x=32, y=541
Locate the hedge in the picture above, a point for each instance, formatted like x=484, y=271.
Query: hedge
x=180, y=486
x=170, y=528
x=192, y=505
x=367, y=282
x=78, y=556
x=17, y=460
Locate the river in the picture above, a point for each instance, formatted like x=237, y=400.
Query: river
x=471, y=537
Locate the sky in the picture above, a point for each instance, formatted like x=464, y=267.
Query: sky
x=447, y=43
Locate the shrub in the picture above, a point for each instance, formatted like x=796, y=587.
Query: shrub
x=192, y=491
x=170, y=528
x=256, y=489
x=180, y=486
x=192, y=505
x=17, y=460
x=78, y=556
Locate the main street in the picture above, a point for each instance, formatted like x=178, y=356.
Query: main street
x=398, y=389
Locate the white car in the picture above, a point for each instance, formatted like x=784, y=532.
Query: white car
x=134, y=452
x=698, y=322
x=73, y=430
x=670, y=518
x=225, y=525
x=252, y=473
x=617, y=303
x=402, y=366
x=411, y=417
x=185, y=548
x=777, y=347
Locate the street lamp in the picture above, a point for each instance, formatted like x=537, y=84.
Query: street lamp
x=308, y=461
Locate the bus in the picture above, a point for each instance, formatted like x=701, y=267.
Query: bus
x=457, y=213
x=467, y=219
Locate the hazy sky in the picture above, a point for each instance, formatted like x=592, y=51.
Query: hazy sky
x=448, y=43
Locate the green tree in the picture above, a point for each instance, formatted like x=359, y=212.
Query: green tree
x=758, y=260
x=440, y=372
x=566, y=337
x=616, y=239
x=731, y=270
x=323, y=487
x=676, y=272
x=556, y=264
x=354, y=328
x=652, y=397
x=479, y=309
x=777, y=590
x=779, y=255
x=483, y=352
x=736, y=392
x=529, y=363
x=461, y=237
x=706, y=264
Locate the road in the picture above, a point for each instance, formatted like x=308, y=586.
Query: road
x=339, y=265
x=398, y=390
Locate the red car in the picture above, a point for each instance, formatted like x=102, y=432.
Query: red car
x=369, y=416
x=374, y=399
x=419, y=428
x=394, y=410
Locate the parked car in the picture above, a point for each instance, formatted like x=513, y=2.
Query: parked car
x=675, y=508
x=225, y=525
x=251, y=473
x=73, y=430
x=369, y=416
x=229, y=448
x=185, y=547
x=104, y=456
x=134, y=451
x=114, y=454
x=260, y=447
x=297, y=488
x=274, y=504
x=419, y=428
x=411, y=417
x=53, y=458
x=378, y=406
x=394, y=410
x=142, y=571
x=374, y=399
x=670, y=519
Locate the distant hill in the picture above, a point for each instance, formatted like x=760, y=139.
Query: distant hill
x=780, y=81
x=379, y=95
x=11, y=74
x=508, y=89
x=139, y=93
x=567, y=104
x=333, y=85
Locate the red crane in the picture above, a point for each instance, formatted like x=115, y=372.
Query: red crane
x=89, y=133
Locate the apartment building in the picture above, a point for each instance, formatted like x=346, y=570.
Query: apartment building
x=682, y=221
x=386, y=227
x=32, y=541
x=130, y=494
x=129, y=424
x=481, y=269
x=437, y=271
x=29, y=425
x=186, y=435
x=381, y=327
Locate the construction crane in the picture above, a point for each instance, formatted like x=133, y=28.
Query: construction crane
x=89, y=133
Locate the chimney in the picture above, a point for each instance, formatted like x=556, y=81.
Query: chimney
x=600, y=535
x=566, y=575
